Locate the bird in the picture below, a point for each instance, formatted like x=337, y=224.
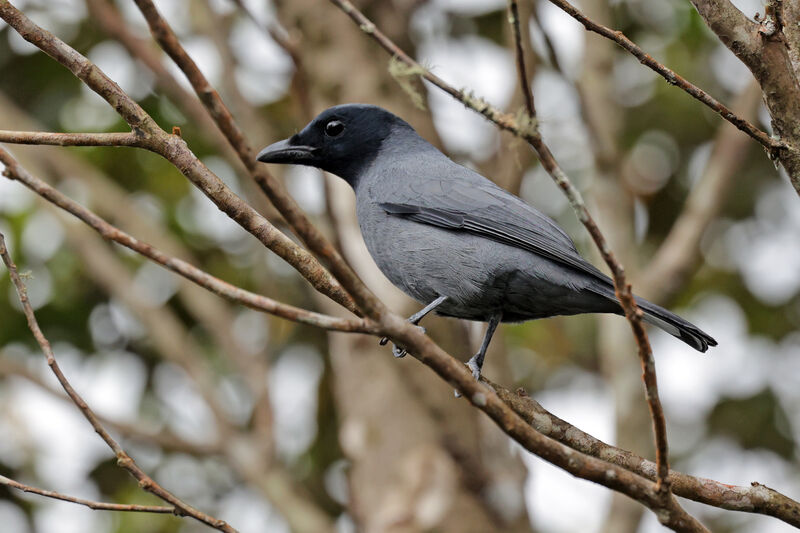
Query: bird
x=452, y=239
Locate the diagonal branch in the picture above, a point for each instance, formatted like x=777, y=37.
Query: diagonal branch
x=123, y=459
x=662, y=503
x=97, y=506
x=169, y=42
x=754, y=499
x=527, y=129
x=770, y=55
x=174, y=149
x=222, y=288
x=645, y=352
x=671, y=76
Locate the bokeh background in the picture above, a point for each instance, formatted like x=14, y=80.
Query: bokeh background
x=275, y=426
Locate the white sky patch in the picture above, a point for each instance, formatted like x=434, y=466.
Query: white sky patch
x=483, y=67
x=731, y=73
x=749, y=7
x=469, y=7
x=690, y=384
x=186, y=411
x=251, y=331
x=115, y=61
x=42, y=236
x=63, y=517
x=251, y=513
x=113, y=384
x=293, y=383
x=567, y=37
x=265, y=69
x=306, y=186
x=204, y=52
x=155, y=284
x=12, y=517
x=87, y=112
x=198, y=214
x=14, y=198
x=764, y=247
x=557, y=501
x=558, y=111
x=66, y=447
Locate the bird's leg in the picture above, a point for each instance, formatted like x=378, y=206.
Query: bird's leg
x=414, y=319
x=476, y=362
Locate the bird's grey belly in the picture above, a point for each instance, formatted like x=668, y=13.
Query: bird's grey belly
x=480, y=277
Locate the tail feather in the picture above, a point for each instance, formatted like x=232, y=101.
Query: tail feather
x=661, y=318
x=675, y=325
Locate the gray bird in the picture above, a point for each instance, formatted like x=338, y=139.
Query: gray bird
x=450, y=238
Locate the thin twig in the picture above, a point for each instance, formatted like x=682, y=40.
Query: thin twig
x=123, y=459
x=97, y=506
x=71, y=139
x=174, y=149
x=528, y=130
x=222, y=288
x=623, y=289
x=772, y=145
x=169, y=42
x=522, y=73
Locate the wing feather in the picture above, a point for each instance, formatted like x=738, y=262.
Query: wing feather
x=525, y=234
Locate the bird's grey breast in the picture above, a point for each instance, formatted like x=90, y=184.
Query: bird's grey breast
x=423, y=260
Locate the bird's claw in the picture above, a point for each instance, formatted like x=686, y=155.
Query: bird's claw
x=399, y=351
x=476, y=367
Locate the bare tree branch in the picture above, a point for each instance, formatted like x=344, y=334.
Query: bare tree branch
x=71, y=139
x=754, y=499
x=123, y=459
x=772, y=57
x=168, y=41
x=222, y=288
x=456, y=374
x=522, y=74
x=97, y=506
x=671, y=76
x=663, y=504
x=529, y=132
x=175, y=150
x=645, y=352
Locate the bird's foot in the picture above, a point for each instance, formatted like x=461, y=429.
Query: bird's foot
x=476, y=364
x=398, y=351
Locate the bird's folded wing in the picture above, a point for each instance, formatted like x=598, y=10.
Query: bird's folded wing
x=519, y=233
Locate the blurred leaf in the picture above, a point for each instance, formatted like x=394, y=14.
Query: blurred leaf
x=757, y=421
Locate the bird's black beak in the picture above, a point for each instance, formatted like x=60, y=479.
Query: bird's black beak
x=286, y=152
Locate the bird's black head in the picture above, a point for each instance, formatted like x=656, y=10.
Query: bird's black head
x=343, y=140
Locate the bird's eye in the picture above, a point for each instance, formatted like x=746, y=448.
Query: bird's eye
x=334, y=128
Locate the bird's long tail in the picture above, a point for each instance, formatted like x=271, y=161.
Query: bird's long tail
x=661, y=318
x=675, y=325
